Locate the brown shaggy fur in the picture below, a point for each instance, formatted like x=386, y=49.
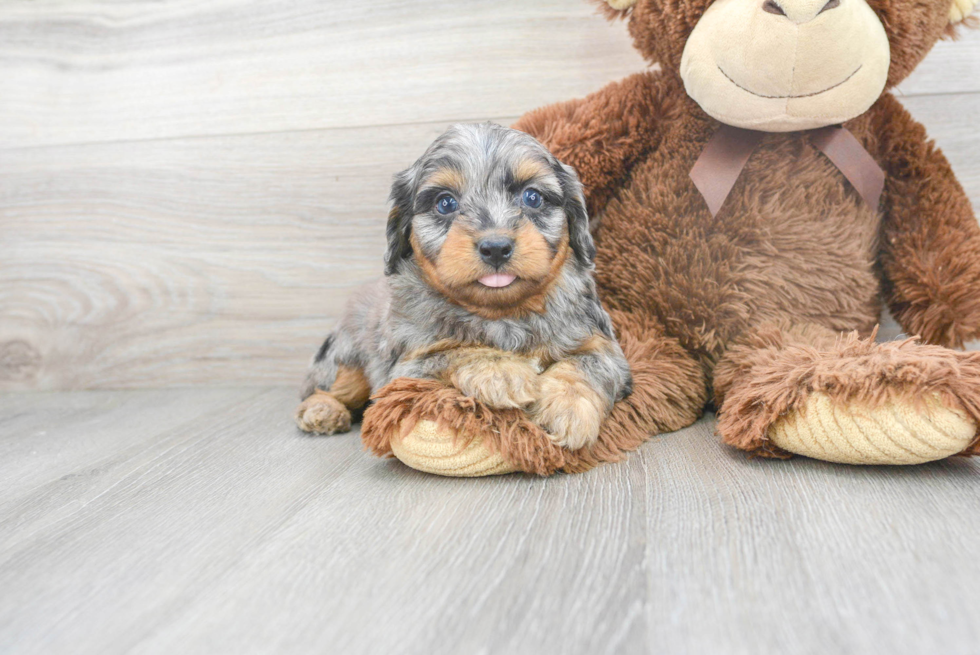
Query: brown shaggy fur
x=793, y=244
x=668, y=393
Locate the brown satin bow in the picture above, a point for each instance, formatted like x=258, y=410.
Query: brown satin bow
x=722, y=160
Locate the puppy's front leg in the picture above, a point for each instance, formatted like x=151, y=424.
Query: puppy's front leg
x=576, y=394
x=497, y=378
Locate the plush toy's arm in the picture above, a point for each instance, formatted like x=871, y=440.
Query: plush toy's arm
x=930, y=241
x=603, y=134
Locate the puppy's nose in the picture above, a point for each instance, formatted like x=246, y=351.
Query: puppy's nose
x=496, y=250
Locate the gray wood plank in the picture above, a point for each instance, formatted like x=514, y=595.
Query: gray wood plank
x=96, y=70
x=157, y=523
x=953, y=66
x=808, y=557
x=58, y=451
x=93, y=70
x=234, y=533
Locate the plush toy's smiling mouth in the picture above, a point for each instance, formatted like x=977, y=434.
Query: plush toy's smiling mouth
x=497, y=280
x=803, y=95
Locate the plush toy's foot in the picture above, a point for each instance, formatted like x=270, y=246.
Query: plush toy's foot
x=323, y=414
x=433, y=427
x=439, y=450
x=898, y=431
x=808, y=391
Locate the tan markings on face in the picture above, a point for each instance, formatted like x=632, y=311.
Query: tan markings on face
x=446, y=177
x=457, y=269
x=351, y=387
x=458, y=262
x=536, y=301
x=528, y=169
x=532, y=258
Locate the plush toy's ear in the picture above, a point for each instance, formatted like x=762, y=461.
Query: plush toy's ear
x=399, y=228
x=579, y=237
x=961, y=10
x=616, y=8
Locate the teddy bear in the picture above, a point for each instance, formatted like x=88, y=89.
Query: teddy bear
x=755, y=200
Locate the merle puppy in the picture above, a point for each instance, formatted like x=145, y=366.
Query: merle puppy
x=488, y=287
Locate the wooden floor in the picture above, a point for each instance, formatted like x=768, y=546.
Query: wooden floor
x=202, y=521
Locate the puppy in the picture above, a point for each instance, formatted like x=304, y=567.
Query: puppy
x=488, y=287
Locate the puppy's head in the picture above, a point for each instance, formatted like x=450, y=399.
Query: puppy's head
x=490, y=217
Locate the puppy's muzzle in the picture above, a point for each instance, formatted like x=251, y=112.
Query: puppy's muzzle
x=496, y=250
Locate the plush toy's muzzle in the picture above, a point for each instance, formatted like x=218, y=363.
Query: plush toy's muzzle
x=830, y=65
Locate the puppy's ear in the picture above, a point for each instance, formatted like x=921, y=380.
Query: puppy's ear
x=579, y=237
x=399, y=229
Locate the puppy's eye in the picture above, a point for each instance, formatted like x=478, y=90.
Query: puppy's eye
x=446, y=204
x=531, y=198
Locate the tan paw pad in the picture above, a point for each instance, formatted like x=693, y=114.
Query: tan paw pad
x=323, y=414
x=895, y=432
x=430, y=449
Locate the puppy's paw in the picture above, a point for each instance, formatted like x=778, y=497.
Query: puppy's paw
x=568, y=408
x=323, y=414
x=500, y=380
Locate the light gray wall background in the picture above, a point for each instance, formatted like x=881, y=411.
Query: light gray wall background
x=190, y=189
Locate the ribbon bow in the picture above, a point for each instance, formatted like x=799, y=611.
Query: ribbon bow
x=722, y=160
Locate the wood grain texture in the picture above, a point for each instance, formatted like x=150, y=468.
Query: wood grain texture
x=77, y=71
x=229, y=531
x=107, y=71
x=190, y=191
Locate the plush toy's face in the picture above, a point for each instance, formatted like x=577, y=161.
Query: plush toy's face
x=782, y=65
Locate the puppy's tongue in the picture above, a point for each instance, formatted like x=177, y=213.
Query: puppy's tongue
x=497, y=280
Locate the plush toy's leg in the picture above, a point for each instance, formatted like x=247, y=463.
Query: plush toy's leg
x=809, y=391
x=669, y=393
x=329, y=412
x=433, y=427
